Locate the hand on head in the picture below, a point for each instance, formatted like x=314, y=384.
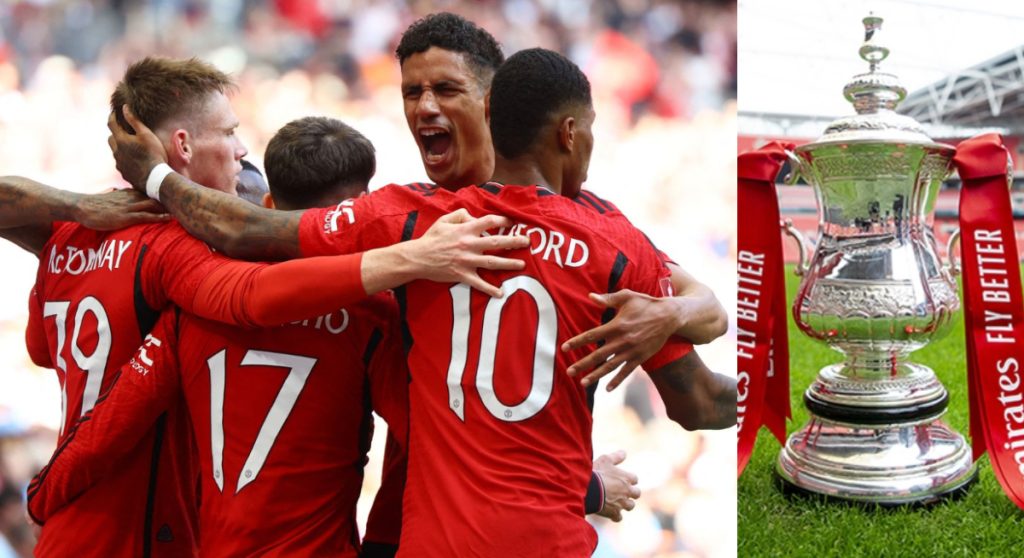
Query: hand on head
x=134, y=154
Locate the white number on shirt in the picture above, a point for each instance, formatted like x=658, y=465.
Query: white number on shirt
x=543, y=372
x=298, y=367
x=93, y=365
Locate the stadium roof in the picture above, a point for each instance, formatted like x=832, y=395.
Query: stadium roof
x=987, y=94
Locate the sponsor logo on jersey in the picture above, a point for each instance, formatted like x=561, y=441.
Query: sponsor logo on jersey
x=343, y=209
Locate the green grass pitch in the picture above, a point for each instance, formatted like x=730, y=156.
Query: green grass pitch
x=984, y=523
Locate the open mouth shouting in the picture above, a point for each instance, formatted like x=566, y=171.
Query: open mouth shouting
x=436, y=144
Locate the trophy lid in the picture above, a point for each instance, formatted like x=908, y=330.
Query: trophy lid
x=874, y=96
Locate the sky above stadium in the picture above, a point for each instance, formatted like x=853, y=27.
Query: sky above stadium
x=795, y=56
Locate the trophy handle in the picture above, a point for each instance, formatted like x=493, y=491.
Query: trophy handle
x=788, y=228
x=953, y=267
x=795, y=166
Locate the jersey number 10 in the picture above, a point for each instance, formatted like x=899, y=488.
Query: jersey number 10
x=543, y=372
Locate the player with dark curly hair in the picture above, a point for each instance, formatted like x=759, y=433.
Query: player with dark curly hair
x=447, y=65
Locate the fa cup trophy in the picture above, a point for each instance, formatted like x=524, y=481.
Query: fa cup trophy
x=875, y=290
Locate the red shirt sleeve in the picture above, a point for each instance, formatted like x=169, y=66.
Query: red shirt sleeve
x=183, y=270
x=673, y=350
x=35, y=332
x=358, y=224
x=174, y=266
x=261, y=295
x=145, y=387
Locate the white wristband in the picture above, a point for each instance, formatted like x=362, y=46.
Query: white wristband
x=156, y=178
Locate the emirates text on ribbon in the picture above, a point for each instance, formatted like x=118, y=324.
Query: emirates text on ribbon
x=999, y=328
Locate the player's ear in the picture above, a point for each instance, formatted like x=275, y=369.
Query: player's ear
x=181, y=146
x=567, y=134
x=487, y=107
x=268, y=201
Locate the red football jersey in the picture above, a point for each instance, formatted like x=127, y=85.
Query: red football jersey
x=281, y=419
x=96, y=295
x=500, y=437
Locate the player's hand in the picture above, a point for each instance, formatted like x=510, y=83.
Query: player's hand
x=620, y=490
x=118, y=209
x=641, y=326
x=134, y=154
x=452, y=250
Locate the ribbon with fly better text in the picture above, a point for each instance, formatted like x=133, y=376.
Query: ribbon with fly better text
x=762, y=344
x=993, y=310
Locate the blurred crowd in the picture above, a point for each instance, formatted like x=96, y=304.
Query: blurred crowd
x=664, y=81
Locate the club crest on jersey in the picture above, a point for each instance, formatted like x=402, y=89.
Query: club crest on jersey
x=75, y=261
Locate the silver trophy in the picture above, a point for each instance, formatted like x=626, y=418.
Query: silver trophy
x=875, y=290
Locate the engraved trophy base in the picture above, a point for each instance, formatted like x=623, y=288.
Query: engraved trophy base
x=916, y=463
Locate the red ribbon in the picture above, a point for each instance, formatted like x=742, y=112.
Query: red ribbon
x=994, y=310
x=762, y=343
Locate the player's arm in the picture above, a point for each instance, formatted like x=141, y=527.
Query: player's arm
x=699, y=317
x=229, y=224
x=694, y=396
x=233, y=226
x=260, y=295
x=28, y=210
x=643, y=323
x=30, y=238
x=143, y=389
x=28, y=204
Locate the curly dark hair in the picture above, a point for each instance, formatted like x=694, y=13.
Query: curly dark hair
x=317, y=161
x=527, y=90
x=457, y=34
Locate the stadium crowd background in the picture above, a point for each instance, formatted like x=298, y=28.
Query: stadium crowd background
x=664, y=81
